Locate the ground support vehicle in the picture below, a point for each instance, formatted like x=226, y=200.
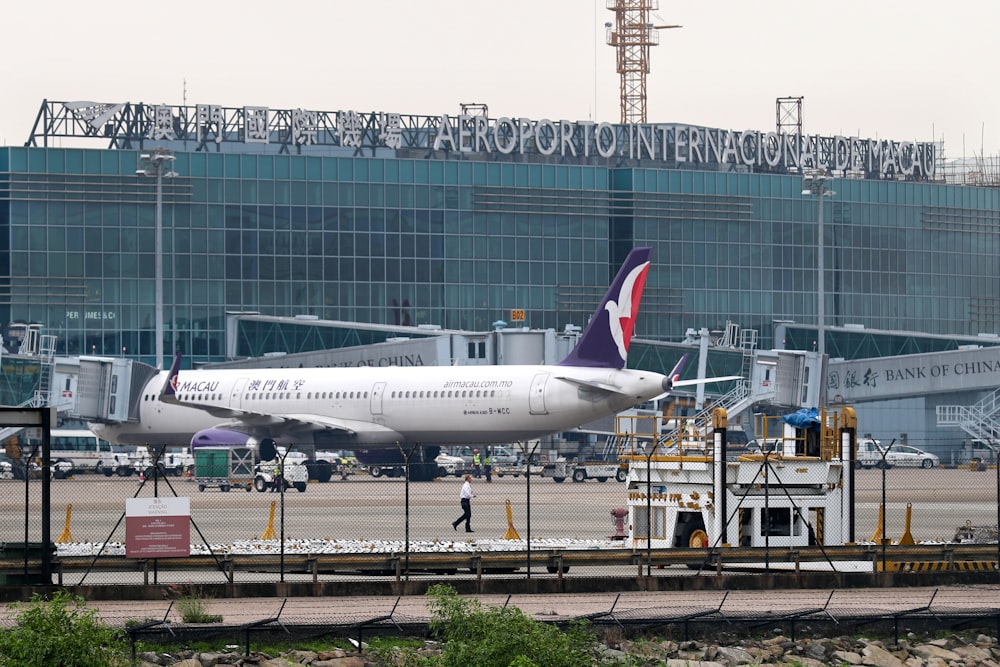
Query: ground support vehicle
x=320, y=470
x=463, y=457
x=293, y=473
x=171, y=462
x=449, y=465
x=560, y=470
x=326, y=465
x=979, y=451
x=377, y=470
x=696, y=498
x=602, y=471
x=516, y=470
x=224, y=468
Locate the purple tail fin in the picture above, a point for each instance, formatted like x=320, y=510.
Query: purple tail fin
x=167, y=392
x=606, y=339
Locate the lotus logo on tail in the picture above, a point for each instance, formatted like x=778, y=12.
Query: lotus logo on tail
x=622, y=313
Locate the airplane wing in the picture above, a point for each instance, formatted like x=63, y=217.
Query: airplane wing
x=275, y=424
x=278, y=424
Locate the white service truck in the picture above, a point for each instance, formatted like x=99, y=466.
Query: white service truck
x=293, y=473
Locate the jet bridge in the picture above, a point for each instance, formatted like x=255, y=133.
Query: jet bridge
x=109, y=389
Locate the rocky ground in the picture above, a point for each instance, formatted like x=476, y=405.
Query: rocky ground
x=953, y=650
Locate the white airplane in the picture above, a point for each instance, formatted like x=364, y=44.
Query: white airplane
x=382, y=412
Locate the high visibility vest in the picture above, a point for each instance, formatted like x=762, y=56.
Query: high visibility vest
x=475, y=459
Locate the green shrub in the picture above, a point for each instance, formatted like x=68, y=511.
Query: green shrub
x=189, y=601
x=504, y=637
x=60, y=632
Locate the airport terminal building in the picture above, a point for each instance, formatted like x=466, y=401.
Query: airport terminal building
x=464, y=222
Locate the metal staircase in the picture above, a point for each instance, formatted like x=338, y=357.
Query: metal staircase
x=979, y=420
x=46, y=361
x=736, y=401
x=741, y=397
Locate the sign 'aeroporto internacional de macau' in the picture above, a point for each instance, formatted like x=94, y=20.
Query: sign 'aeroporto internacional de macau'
x=212, y=127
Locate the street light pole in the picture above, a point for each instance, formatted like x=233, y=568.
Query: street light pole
x=814, y=183
x=158, y=164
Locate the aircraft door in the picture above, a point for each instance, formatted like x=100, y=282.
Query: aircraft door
x=236, y=397
x=536, y=395
x=377, y=390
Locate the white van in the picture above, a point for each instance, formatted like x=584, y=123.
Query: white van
x=869, y=454
x=87, y=453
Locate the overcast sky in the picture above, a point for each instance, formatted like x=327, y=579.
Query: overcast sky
x=894, y=69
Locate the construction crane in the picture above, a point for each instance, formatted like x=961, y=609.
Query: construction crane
x=632, y=34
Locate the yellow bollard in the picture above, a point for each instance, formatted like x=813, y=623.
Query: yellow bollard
x=511, y=531
x=269, y=533
x=66, y=537
x=907, y=536
x=879, y=535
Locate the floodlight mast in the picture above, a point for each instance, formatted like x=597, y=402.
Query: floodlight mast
x=158, y=164
x=814, y=183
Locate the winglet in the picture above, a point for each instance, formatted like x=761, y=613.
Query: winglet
x=168, y=391
x=675, y=374
x=605, y=341
x=674, y=379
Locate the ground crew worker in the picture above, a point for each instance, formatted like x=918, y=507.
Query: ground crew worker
x=488, y=465
x=476, y=463
x=276, y=481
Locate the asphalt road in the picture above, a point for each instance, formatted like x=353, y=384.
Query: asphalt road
x=363, y=508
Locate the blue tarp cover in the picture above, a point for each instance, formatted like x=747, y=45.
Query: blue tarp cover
x=804, y=418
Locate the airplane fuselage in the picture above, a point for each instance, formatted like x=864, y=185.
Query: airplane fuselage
x=371, y=407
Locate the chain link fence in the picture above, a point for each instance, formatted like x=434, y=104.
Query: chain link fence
x=87, y=517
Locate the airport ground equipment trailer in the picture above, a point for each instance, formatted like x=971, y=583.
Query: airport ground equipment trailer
x=580, y=471
x=518, y=469
x=692, y=496
x=224, y=468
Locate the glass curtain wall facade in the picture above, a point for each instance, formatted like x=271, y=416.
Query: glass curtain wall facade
x=462, y=243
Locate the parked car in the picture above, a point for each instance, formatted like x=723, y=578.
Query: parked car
x=872, y=454
x=906, y=455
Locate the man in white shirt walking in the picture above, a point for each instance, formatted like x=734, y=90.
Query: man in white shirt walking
x=465, y=497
